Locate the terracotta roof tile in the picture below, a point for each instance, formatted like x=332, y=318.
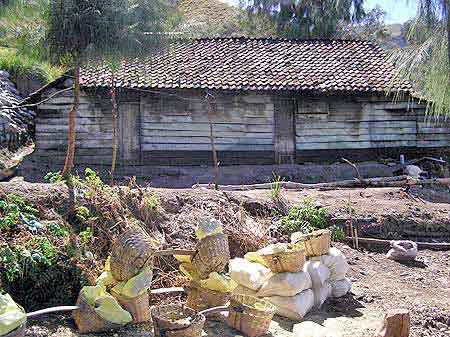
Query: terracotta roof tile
x=258, y=64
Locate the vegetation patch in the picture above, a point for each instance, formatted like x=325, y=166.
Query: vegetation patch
x=307, y=217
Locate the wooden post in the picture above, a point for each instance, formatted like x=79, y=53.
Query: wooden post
x=211, y=112
x=396, y=324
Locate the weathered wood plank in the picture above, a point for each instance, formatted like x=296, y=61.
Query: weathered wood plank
x=354, y=145
x=356, y=132
x=355, y=124
x=206, y=140
x=199, y=126
x=205, y=147
x=356, y=138
x=189, y=133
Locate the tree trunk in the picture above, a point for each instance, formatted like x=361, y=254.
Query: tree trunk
x=211, y=109
x=69, y=162
x=114, y=127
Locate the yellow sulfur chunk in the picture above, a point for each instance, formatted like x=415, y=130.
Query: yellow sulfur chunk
x=12, y=316
x=208, y=226
x=105, y=305
x=137, y=285
x=218, y=282
x=106, y=279
x=189, y=271
x=183, y=258
x=109, y=309
x=255, y=257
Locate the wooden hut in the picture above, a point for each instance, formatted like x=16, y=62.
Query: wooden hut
x=271, y=101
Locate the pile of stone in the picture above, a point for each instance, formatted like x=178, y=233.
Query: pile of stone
x=15, y=124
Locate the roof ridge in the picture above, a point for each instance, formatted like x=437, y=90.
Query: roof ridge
x=274, y=38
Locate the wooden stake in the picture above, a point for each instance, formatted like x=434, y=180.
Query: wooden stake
x=396, y=324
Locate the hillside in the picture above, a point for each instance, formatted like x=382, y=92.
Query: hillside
x=209, y=17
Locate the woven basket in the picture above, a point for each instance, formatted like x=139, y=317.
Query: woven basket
x=131, y=251
x=138, y=307
x=19, y=332
x=316, y=243
x=291, y=261
x=166, y=321
x=199, y=299
x=245, y=317
x=212, y=254
x=87, y=320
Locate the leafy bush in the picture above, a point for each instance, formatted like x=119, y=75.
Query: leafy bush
x=53, y=177
x=57, y=230
x=151, y=201
x=14, y=210
x=337, y=233
x=82, y=214
x=305, y=217
x=38, y=276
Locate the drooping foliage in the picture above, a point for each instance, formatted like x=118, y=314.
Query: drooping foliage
x=426, y=59
x=307, y=18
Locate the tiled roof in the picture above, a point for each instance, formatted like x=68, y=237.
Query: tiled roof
x=257, y=64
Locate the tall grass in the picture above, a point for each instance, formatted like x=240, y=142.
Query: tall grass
x=22, y=40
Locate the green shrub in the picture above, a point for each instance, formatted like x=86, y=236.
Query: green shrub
x=151, y=201
x=14, y=210
x=57, y=230
x=53, y=177
x=337, y=233
x=305, y=217
x=38, y=276
x=82, y=214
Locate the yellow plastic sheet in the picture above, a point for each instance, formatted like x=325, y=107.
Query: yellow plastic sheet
x=218, y=282
x=106, y=305
x=137, y=285
x=11, y=315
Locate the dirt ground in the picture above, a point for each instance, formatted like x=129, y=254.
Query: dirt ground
x=379, y=284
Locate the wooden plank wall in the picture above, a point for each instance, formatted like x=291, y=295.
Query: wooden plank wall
x=93, y=127
x=346, y=123
x=178, y=124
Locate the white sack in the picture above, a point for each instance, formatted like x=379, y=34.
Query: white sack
x=321, y=294
x=249, y=274
x=403, y=251
x=285, y=284
x=295, y=307
x=311, y=329
x=336, y=262
x=318, y=272
x=340, y=288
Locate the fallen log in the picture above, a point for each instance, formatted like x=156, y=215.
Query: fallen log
x=387, y=243
x=288, y=185
x=399, y=181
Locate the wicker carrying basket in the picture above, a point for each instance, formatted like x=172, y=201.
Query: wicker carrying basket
x=131, y=251
x=199, y=299
x=87, y=320
x=168, y=321
x=138, y=307
x=291, y=261
x=245, y=317
x=19, y=332
x=316, y=243
x=212, y=254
